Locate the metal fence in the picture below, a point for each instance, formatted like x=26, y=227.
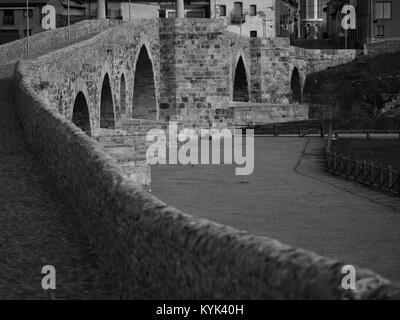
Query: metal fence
x=300, y=128
x=364, y=172
x=367, y=173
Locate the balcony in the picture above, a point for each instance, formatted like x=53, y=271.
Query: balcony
x=238, y=18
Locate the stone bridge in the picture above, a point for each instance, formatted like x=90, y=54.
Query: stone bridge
x=188, y=70
x=140, y=75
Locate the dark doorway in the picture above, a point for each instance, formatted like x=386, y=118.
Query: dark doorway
x=240, y=85
x=295, y=85
x=144, y=103
x=107, y=118
x=80, y=114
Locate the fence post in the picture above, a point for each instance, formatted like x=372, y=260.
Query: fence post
x=275, y=129
x=364, y=168
x=327, y=156
x=356, y=169
x=398, y=182
x=381, y=176
x=334, y=163
x=322, y=129
x=371, y=168
x=390, y=179
x=368, y=134
x=348, y=167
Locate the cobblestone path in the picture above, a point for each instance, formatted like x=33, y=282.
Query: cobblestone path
x=289, y=197
x=37, y=228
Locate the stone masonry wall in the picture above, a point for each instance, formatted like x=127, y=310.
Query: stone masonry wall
x=154, y=251
x=194, y=63
x=380, y=47
x=195, y=55
x=60, y=75
x=259, y=113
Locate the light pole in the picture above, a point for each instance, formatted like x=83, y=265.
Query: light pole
x=372, y=19
x=69, y=23
x=27, y=28
x=130, y=10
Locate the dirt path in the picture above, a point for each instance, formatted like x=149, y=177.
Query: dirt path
x=289, y=197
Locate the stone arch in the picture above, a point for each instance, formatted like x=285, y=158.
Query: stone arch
x=122, y=95
x=295, y=85
x=80, y=113
x=144, y=97
x=107, y=115
x=240, y=82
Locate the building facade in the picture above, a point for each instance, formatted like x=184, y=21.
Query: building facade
x=377, y=20
x=13, y=20
x=313, y=19
x=252, y=18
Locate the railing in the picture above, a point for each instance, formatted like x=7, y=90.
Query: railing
x=367, y=133
x=364, y=172
x=300, y=128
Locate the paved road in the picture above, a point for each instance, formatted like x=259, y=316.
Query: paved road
x=36, y=227
x=289, y=197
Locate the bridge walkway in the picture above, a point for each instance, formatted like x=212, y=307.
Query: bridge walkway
x=36, y=227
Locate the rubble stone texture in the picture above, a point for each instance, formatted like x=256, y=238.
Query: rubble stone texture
x=154, y=251
x=149, y=249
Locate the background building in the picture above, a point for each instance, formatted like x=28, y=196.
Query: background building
x=377, y=20
x=251, y=18
x=313, y=18
x=13, y=16
x=13, y=19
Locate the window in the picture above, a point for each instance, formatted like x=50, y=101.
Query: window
x=9, y=17
x=30, y=13
x=222, y=11
x=237, y=15
x=253, y=34
x=194, y=14
x=171, y=15
x=238, y=8
x=383, y=10
x=380, y=31
x=253, y=10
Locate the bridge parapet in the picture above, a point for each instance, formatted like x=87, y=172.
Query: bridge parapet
x=153, y=251
x=15, y=50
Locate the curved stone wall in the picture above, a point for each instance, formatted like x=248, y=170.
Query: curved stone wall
x=153, y=251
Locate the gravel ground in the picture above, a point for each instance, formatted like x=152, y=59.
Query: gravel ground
x=37, y=228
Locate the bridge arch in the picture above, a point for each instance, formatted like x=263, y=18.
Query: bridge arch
x=107, y=115
x=144, y=96
x=122, y=95
x=80, y=113
x=241, y=79
x=295, y=85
